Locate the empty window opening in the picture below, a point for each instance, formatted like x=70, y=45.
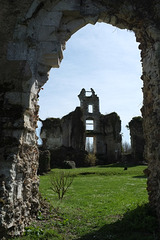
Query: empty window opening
x=39, y=123
x=90, y=108
x=89, y=125
x=88, y=93
x=89, y=144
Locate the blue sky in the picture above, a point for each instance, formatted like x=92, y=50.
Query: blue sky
x=101, y=57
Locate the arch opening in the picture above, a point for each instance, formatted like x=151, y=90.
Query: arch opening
x=113, y=82
x=114, y=72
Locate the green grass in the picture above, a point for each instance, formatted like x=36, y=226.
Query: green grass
x=103, y=203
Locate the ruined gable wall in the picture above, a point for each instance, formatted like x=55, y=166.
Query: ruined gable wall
x=65, y=138
x=51, y=133
x=67, y=132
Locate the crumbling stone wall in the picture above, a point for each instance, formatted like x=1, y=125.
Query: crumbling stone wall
x=137, y=139
x=65, y=138
x=33, y=36
x=111, y=125
x=67, y=132
x=73, y=130
x=51, y=133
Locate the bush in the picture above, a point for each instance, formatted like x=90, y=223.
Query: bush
x=60, y=182
x=91, y=159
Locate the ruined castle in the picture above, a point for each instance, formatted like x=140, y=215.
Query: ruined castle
x=83, y=127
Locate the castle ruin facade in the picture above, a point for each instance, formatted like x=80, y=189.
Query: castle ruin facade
x=85, y=129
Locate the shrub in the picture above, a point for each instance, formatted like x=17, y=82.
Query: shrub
x=91, y=159
x=60, y=182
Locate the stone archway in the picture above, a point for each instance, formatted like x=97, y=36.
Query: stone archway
x=32, y=41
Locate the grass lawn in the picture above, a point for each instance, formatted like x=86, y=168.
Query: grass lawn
x=103, y=203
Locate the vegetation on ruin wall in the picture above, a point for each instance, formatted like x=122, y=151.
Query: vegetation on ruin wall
x=103, y=203
x=136, y=122
x=138, y=119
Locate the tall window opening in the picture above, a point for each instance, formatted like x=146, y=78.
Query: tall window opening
x=90, y=108
x=89, y=144
x=89, y=125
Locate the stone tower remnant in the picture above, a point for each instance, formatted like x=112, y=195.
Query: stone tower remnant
x=89, y=103
x=103, y=129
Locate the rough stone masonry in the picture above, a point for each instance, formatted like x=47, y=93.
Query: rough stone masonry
x=32, y=39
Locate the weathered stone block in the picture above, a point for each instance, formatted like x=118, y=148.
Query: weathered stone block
x=53, y=19
x=17, y=51
x=69, y=164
